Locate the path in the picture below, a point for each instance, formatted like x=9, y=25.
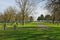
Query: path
x=44, y=27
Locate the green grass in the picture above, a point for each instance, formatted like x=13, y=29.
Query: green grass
x=30, y=31
x=11, y=26
x=31, y=24
x=31, y=34
x=50, y=24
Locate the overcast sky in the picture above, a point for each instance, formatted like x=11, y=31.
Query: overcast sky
x=40, y=7
x=6, y=3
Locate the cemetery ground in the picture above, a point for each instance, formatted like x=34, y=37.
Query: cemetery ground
x=30, y=31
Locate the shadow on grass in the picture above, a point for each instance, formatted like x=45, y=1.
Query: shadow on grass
x=30, y=34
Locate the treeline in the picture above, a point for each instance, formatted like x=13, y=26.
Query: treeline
x=10, y=15
x=46, y=17
x=49, y=18
x=54, y=9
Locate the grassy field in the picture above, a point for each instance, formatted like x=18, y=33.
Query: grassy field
x=31, y=34
x=50, y=24
x=30, y=31
x=10, y=26
x=31, y=24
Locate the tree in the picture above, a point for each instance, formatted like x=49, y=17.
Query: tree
x=31, y=18
x=1, y=17
x=54, y=7
x=19, y=17
x=26, y=7
x=48, y=17
x=40, y=17
x=8, y=16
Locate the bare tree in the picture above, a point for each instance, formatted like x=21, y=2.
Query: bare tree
x=54, y=7
x=1, y=17
x=26, y=7
x=9, y=16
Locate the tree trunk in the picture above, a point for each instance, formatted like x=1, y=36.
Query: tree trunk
x=23, y=17
x=53, y=19
x=4, y=26
x=23, y=20
x=15, y=27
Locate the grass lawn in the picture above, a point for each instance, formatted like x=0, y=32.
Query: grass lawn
x=31, y=34
x=31, y=24
x=11, y=25
x=50, y=24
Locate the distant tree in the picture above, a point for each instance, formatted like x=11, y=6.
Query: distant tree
x=1, y=17
x=26, y=18
x=48, y=17
x=57, y=16
x=31, y=18
x=19, y=17
x=40, y=17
